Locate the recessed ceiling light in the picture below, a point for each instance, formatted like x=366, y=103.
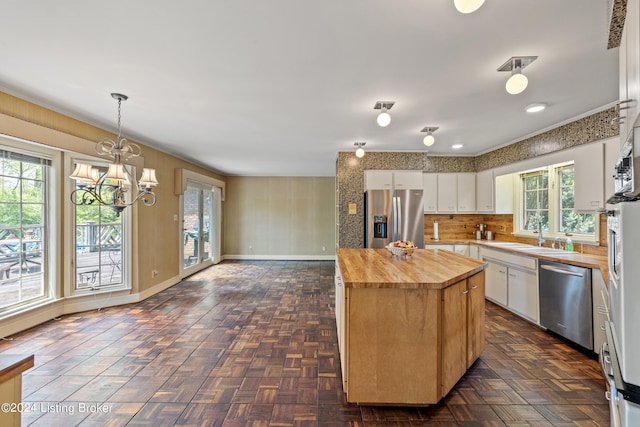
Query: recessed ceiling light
x=535, y=108
x=456, y=146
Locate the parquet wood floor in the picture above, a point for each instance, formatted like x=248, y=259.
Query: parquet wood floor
x=254, y=344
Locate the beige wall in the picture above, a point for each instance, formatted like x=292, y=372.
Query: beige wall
x=272, y=217
x=154, y=250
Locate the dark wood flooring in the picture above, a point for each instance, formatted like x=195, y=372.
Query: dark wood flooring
x=254, y=344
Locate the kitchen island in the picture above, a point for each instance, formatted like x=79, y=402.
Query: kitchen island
x=408, y=327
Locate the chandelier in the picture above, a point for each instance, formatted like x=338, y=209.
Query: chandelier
x=110, y=188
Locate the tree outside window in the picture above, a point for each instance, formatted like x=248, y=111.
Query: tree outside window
x=536, y=200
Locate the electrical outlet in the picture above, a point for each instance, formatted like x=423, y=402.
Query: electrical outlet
x=464, y=226
x=502, y=228
x=154, y=274
x=324, y=249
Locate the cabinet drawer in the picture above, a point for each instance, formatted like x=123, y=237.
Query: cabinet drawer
x=509, y=258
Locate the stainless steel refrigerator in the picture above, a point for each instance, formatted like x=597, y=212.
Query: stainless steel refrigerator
x=392, y=215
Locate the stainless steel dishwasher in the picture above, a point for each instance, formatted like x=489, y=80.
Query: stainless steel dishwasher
x=565, y=301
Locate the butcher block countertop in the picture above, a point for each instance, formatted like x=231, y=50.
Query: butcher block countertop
x=425, y=269
x=13, y=365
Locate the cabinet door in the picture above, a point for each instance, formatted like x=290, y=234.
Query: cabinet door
x=496, y=282
x=454, y=334
x=600, y=299
x=378, y=180
x=430, y=189
x=484, y=191
x=474, y=251
x=341, y=325
x=523, y=293
x=461, y=249
x=589, y=177
x=475, y=316
x=407, y=180
x=466, y=192
x=631, y=36
x=504, y=194
x=447, y=192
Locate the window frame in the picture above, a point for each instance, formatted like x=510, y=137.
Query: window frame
x=71, y=290
x=50, y=233
x=554, y=210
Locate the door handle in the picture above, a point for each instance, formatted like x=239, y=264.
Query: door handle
x=561, y=271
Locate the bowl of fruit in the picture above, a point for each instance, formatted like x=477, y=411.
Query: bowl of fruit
x=401, y=247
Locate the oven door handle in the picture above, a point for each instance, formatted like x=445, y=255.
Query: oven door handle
x=561, y=270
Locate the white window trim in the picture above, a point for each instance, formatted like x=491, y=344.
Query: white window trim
x=69, y=245
x=52, y=230
x=554, y=211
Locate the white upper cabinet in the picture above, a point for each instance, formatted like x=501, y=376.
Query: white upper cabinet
x=389, y=180
x=589, y=177
x=484, y=191
x=378, y=180
x=430, y=194
x=629, y=67
x=407, y=180
x=447, y=192
x=504, y=193
x=466, y=192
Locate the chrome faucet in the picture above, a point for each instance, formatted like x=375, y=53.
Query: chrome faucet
x=540, y=239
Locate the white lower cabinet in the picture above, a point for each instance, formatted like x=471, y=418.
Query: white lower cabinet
x=496, y=282
x=600, y=300
x=459, y=249
x=512, y=281
x=341, y=323
x=474, y=251
x=523, y=292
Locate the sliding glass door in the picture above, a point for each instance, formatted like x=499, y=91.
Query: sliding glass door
x=198, y=227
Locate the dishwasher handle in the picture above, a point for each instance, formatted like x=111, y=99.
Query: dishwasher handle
x=561, y=270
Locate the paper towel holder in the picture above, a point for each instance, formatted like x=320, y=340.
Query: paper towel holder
x=435, y=237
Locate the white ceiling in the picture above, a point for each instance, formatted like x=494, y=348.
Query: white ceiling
x=279, y=87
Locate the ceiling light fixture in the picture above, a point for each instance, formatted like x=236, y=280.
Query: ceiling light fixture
x=384, y=118
x=467, y=6
x=518, y=82
x=457, y=146
x=535, y=108
x=429, y=139
x=110, y=188
x=360, y=149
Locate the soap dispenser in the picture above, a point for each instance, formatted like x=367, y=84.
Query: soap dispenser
x=568, y=246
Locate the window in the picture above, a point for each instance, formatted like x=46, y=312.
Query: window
x=23, y=228
x=99, y=247
x=536, y=199
x=547, y=198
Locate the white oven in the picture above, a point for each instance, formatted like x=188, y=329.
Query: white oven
x=620, y=355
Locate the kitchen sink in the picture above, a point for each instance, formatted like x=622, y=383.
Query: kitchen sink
x=529, y=248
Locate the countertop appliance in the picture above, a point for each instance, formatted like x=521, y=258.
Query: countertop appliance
x=566, y=302
x=620, y=355
x=392, y=215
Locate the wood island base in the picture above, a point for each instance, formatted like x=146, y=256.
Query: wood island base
x=408, y=329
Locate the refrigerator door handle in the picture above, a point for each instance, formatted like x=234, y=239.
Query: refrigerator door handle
x=399, y=217
x=394, y=219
